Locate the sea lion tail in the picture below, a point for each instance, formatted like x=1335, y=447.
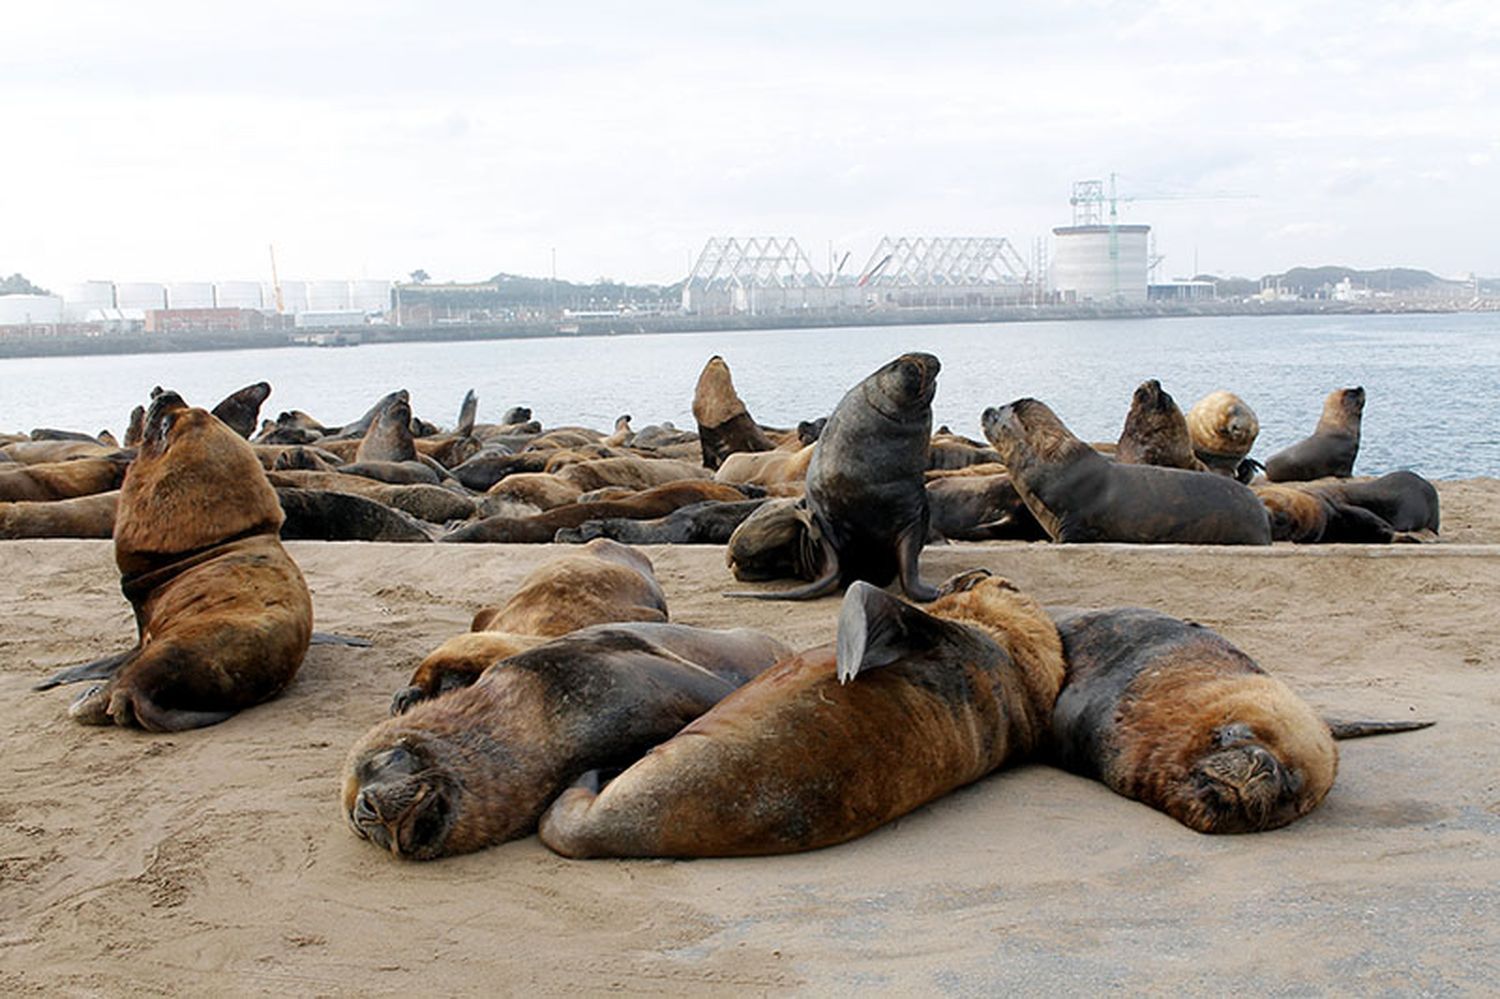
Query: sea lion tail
x=98, y=669
x=333, y=638
x=1346, y=729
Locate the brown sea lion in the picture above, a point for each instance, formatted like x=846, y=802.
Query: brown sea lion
x=1399, y=506
x=1223, y=428
x=477, y=766
x=980, y=508
x=637, y=473
x=541, y=489
x=1079, y=495
x=1331, y=449
x=240, y=410
x=1402, y=499
x=30, y=452
x=58, y=480
x=222, y=612
x=766, y=468
x=389, y=435
x=799, y=758
x=779, y=540
x=724, y=424
x=1172, y=715
x=644, y=505
x=1155, y=432
x=865, y=488
x=81, y=517
x=601, y=582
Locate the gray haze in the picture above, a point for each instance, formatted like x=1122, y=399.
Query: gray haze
x=166, y=140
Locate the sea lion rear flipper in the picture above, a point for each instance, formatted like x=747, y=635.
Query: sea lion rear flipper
x=99, y=669
x=877, y=629
x=333, y=638
x=1345, y=729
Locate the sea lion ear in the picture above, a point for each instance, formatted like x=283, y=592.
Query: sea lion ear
x=877, y=629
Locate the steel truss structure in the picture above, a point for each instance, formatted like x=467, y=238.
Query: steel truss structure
x=945, y=262
x=757, y=262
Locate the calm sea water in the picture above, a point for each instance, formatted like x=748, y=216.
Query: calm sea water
x=1431, y=381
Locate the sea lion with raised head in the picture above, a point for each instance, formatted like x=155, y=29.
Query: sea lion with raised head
x=865, y=487
x=240, y=410
x=477, y=766
x=1171, y=714
x=1223, y=429
x=1156, y=432
x=830, y=744
x=222, y=612
x=1079, y=495
x=724, y=424
x=1332, y=447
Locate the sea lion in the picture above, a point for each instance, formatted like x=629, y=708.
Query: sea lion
x=1156, y=432
x=600, y=583
x=1171, y=714
x=328, y=515
x=1223, y=429
x=1403, y=499
x=1399, y=506
x=389, y=435
x=81, y=517
x=712, y=522
x=644, y=505
x=1331, y=449
x=637, y=473
x=59, y=480
x=541, y=489
x=1079, y=495
x=241, y=409
x=433, y=504
x=222, y=612
x=779, y=540
x=477, y=766
x=980, y=508
x=865, y=488
x=766, y=468
x=724, y=424
x=799, y=759
x=30, y=452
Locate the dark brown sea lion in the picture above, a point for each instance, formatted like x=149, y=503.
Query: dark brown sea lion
x=240, y=410
x=980, y=508
x=1156, y=432
x=135, y=429
x=1331, y=449
x=644, y=505
x=779, y=540
x=709, y=523
x=1223, y=428
x=433, y=504
x=724, y=424
x=477, y=766
x=865, y=489
x=1402, y=499
x=600, y=583
x=1079, y=495
x=1172, y=715
x=799, y=759
x=58, y=480
x=328, y=515
x=223, y=614
x=81, y=517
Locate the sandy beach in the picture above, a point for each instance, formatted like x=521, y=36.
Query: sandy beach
x=217, y=861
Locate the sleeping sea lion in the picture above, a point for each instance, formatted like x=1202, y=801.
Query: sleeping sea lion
x=477, y=766
x=59, y=480
x=724, y=424
x=1079, y=495
x=543, y=527
x=240, y=410
x=222, y=612
x=1172, y=715
x=81, y=517
x=712, y=522
x=865, y=488
x=1223, y=428
x=1331, y=449
x=827, y=745
x=1156, y=432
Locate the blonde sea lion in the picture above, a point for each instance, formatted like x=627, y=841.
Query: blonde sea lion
x=724, y=424
x=477, y=766
x=1223, y=428
x=1171, y=714
x=1332, y=447
x=222, y=612
x=799, y=759
x=636, y=473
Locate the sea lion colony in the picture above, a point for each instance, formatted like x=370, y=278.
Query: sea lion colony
x=722, y=742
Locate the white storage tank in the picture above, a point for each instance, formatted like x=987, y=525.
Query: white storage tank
x=370, y=296
x=1102, y=264
x=85, y=297
x=30, y=310
x=140, y=295
x=239, y=295
x=190, y=295
x=327, y=296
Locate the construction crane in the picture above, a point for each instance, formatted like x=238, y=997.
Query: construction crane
x=276, y=283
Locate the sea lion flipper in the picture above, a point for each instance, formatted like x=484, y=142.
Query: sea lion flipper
x=333, y=638
x=908, y=552
x=466, y=414
x=98, y=669
x=820, y=587
x=877, y=629
x=1347, y=729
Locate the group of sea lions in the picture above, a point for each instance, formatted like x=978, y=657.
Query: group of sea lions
x=576, y=709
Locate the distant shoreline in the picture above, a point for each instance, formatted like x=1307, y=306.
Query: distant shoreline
x=28, y=344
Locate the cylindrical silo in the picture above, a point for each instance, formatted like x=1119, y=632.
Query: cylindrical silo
x=327, y=296
x=370, y=296
x=190, y=295
x=86, y=297
x=140, y=295
x=239, y=295
x=30, y=310
x=1100, y=263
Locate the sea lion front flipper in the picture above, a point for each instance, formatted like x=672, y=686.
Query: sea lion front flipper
x=99, y=669
x=877, y=629
x=1345, y=729
x=466, y=414
x=908, y=552
x=333, y=638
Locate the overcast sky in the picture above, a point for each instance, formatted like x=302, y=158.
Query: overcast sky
x=163, y=140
